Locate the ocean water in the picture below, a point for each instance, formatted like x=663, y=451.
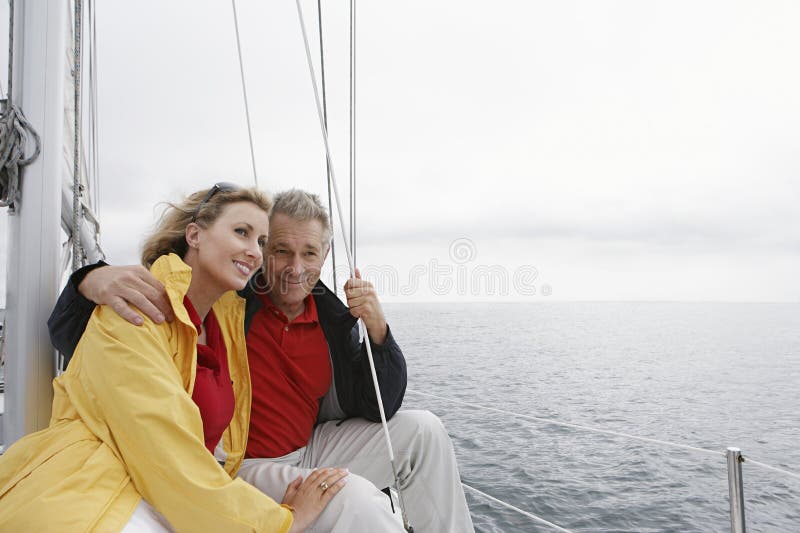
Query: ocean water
x=709, y=375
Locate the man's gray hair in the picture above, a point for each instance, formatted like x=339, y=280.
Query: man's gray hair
x=301, y=205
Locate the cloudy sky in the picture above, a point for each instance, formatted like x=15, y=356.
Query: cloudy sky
x=514, y=150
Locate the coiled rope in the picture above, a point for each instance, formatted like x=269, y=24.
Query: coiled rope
x=14, y=133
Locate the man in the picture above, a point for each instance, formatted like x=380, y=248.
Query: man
x=314, y=403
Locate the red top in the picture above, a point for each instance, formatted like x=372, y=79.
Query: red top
x=291, y=371
x=213, y=388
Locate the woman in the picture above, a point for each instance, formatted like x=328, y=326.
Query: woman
x=139, y=413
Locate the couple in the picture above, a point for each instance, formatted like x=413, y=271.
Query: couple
x=141, y=409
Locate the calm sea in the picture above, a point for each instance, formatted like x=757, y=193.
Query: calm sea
x=703, y=374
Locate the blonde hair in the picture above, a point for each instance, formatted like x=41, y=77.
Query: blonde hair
x=169, y=235
x=301, y=206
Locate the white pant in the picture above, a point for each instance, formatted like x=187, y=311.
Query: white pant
x=426, y=468
x=146, y=519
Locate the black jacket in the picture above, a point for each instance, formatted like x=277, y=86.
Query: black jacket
x=352, y=392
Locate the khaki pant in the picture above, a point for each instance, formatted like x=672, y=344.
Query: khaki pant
x=426, y=468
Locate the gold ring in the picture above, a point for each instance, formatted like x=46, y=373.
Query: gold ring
x=323, y=486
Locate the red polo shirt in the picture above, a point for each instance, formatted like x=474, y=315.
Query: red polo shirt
x=291, y=371
x=213, y=389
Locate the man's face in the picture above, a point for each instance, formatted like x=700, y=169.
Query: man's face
x=294, y=257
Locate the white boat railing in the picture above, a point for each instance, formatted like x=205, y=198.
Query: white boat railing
x=507, y=505
x=733, y=455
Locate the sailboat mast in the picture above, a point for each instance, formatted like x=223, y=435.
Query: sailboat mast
x=40, y=72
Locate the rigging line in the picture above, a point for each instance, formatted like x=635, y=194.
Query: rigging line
x=91, y=163
x=77, y=251
x=773, y=468
x=353, y=127
x=244, y=92
x=10, y=53
x=325, y=118
x=517, y=509
x=93, y=102
x=574, y=426
x=350, y=261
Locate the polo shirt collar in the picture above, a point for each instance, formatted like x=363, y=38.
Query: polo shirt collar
x=308, y=316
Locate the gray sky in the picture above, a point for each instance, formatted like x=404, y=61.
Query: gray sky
x=584, y=150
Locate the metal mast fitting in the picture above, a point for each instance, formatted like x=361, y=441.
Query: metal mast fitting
x=735, y=489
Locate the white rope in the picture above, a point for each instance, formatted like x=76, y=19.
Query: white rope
x=353, y=127
x=350, y=261
x=747, y=459
x=517, y=509
x=325, y=118
x=768, y=467
x=339, y=207
x=575, y=426
x=77, y=187
x=93, y=124
x=244, y=93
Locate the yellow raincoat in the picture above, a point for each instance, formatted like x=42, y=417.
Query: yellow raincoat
x=124, y=426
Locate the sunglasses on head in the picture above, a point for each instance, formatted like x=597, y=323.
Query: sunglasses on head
x=222, y=186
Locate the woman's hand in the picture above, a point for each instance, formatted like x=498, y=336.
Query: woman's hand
x=309, y=497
